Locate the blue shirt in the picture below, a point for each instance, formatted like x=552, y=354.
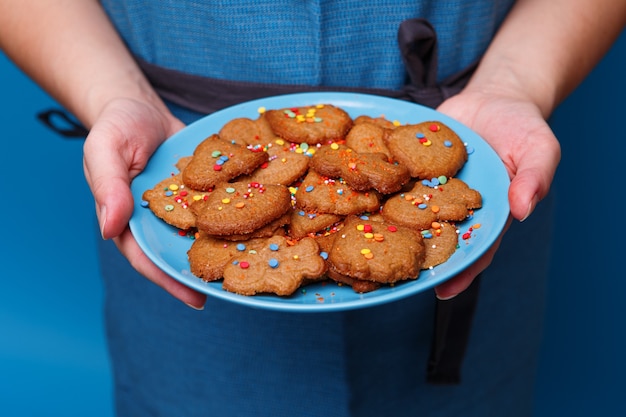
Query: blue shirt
x=323, y=42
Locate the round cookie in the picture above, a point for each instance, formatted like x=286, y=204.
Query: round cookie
x=440, y=242
x=304, y=224
x=318, y=194
x=368, y=137
x=361, y=171
x=375, y=251
x=215, y=161
x=321, y=123
x=428, y=149
x=240, y=208
x=428, y=203
x=287, y=162
x=245, y=131
x=170, y=199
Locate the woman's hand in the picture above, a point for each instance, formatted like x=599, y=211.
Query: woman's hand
x=118, y=147
x=518, y=132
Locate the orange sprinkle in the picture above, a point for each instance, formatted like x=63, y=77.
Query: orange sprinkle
x=435, y=209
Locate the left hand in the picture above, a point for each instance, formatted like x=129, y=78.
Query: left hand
x=518, y=132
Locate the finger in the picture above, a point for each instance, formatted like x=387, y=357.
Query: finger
x=128, y=246
x=535, y=170
x=106, y=172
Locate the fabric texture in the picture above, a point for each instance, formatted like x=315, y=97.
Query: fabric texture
x=232, y=360
x=322, y=42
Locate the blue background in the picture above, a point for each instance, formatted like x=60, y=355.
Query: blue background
x=53, y=360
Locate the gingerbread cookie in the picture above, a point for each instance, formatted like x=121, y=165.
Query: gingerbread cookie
x=287, y=162
x=428, y=149
x=170, y=200
x=215, y=161
x=360, y=286
x=380, y=121
x=208, y=256
x=366, y=137
x=321, y=123
x=274, y=228
x=432, y=201
x=245, y=131
x=440, y=242
x=375, y=251
x=280, y=266
x=361, y=171
x=318, y=194
x=240, y=208
x=305, y=224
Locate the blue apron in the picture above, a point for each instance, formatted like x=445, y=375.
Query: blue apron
x=233, y=360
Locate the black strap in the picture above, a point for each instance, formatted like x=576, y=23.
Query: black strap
x=62, y=123
x=453, y=323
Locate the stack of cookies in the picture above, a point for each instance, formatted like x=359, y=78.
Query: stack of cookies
x=305, y=194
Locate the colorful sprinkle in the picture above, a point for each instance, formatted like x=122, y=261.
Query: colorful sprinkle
x=273, y=263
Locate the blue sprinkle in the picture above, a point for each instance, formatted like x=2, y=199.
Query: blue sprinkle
x=144, y=204
x=324, y=255
x=422, y=206
x=447, y=143
x=241, y=247
x=224, y=158
x=169, y=194
x=420, y=135
x=235, y=262
x=309, y=188
x=301, y=213
x=426, y=234
x=273, y=263
x=435, y=182
x=469, y=149
x=427, y=183
x=274, y=247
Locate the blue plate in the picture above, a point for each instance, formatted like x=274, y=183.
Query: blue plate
x=484, y=172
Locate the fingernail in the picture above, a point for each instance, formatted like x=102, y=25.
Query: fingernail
x=450, y=297
x=195, y=307
x=531, y=207
x=102, y=218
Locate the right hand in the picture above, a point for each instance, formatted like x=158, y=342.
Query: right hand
x=118, y=147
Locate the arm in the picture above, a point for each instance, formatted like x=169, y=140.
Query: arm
x=543, y=50
x=70, y=49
